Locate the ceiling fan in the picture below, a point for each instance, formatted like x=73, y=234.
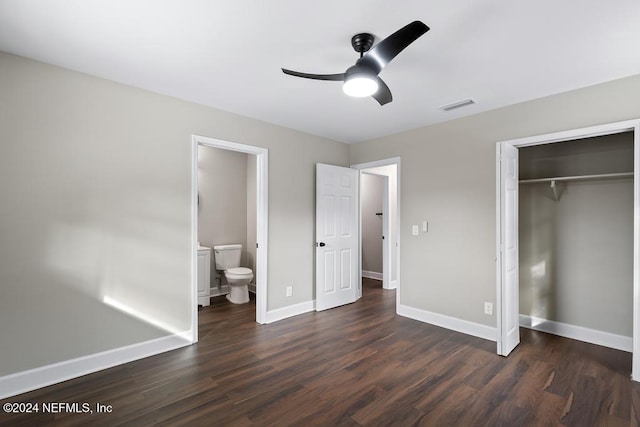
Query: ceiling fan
x=362, y=79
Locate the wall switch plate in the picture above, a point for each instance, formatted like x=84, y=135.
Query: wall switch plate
x=289, y=291
x=425, y=226
x=415, y=230
x=488, y=308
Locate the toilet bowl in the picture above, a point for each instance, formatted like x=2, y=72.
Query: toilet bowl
x=238, y=279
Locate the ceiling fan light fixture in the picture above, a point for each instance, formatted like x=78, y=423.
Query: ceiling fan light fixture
x=362, y=79
x=360, y=85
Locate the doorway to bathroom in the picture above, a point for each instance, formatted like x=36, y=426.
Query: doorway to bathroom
x=228, y=206
x=380, y=222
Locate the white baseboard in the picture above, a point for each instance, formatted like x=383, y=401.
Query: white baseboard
x=392, y=285
x=32, y=379
x=216, y=292
x=580, y=333
x=290, y=311
x=372, y=275
x=455, y=324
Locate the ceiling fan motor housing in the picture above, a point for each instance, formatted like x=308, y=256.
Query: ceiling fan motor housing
x=362, y=42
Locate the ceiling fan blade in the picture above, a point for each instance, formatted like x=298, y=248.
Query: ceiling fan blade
x=332, y=77
x=382, y=53
x=383, y=94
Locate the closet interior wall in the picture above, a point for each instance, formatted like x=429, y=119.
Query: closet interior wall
x=576, y=244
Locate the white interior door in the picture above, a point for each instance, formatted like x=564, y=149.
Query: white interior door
x=509, y=327
x=336, y=236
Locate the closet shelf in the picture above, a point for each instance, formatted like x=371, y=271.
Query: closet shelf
x=579, y=177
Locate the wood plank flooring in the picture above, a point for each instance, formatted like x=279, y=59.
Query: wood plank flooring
x=379, y=370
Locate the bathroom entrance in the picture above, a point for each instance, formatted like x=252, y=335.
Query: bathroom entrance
x=229, y=217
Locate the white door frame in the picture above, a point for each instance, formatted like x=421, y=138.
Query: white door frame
x=386, y=262
x=593, y=131
x=262, y=162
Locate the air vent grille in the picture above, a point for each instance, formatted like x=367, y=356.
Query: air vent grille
x=458, y=104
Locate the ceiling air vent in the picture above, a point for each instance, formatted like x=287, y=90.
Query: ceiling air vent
x=458, y=104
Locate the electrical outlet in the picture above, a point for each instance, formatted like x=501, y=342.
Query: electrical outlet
x=488, y=308
x=289, y=291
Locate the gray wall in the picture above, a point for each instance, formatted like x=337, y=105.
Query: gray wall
x=252, y=210
x=222, y=189
x=448, y=176
x=576, y=254
x=391, y=172
x=372, y=187
x=95, y=182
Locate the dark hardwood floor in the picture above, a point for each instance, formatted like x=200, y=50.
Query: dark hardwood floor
x=354, y=365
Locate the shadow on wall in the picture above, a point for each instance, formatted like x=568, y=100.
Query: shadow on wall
x=78, y=325
x=538, y=281
x=109, y=278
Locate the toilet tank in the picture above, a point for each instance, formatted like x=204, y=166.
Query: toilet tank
x=227, y=256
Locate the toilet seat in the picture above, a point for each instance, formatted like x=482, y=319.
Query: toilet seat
x=239, y=271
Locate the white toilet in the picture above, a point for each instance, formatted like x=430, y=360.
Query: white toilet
x=228, y=260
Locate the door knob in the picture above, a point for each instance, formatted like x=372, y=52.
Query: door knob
x=322, y=244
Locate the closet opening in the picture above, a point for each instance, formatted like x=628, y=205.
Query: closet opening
x=575, y=234
x=567, y=237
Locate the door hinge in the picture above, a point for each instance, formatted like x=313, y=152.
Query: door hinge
x=257, y=245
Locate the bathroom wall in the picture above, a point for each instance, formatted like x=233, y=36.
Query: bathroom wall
x=252, y=208
x=576, y=254
x=227, y=205
x=372, y=187
x=222, y=190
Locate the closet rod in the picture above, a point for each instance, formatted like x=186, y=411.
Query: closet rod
x=579, y=177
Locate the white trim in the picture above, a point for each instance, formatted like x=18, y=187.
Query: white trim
x=580, y=333
x=499, y=287
x=606, y=129
x=222, y=290
x=635, y=364
x=290, y=311
x=194, y=240
x=262, y=228
x=372, y=275
x=32, y=379
x=588, y=132
x=447, y=322
x=393, y=285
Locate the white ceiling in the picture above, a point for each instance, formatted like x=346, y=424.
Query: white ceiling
x=228, y=53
